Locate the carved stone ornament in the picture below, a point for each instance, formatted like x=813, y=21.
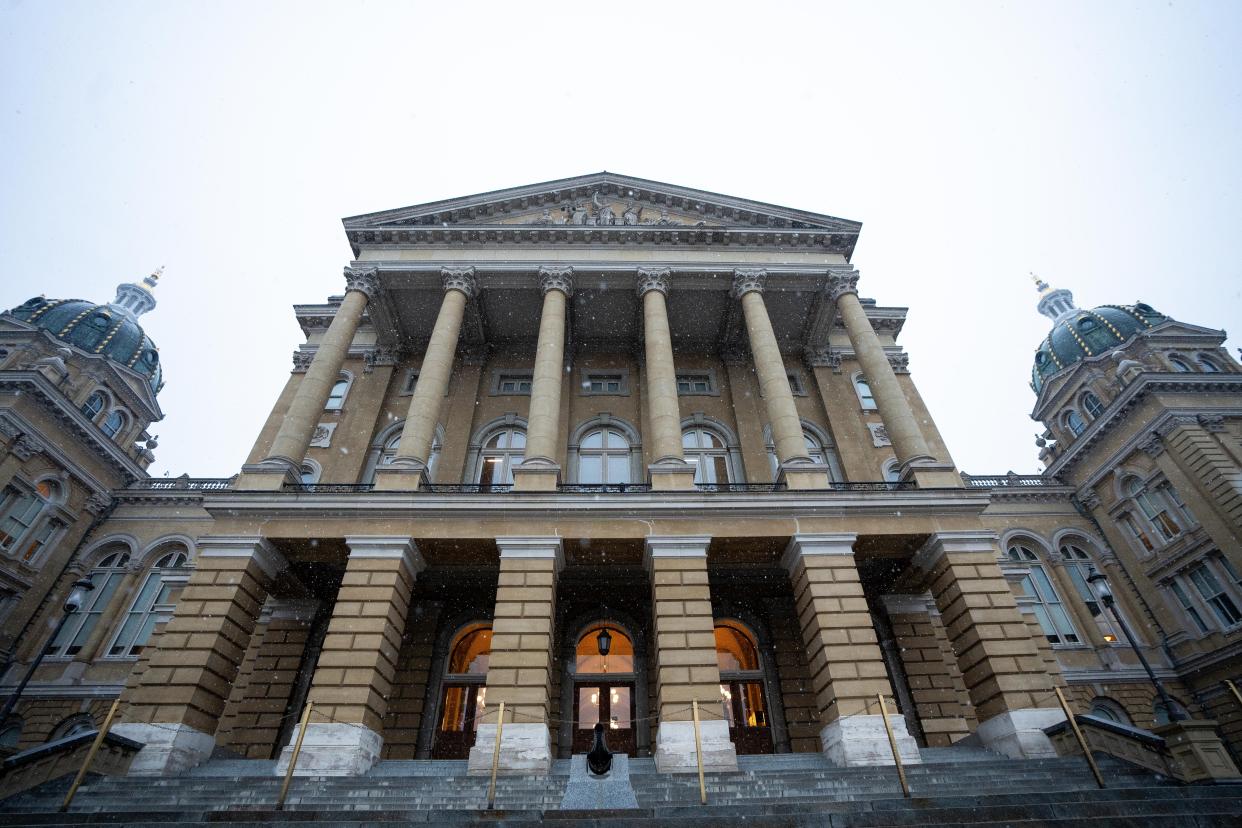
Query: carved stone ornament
x=302, y=361
x=653, y=278
x=1175, y=422
x=97, y=502
x=827, y=358
x=1089, y=500
x=322, y=437
x=879, y=435
x=364, y=280
x=556, y=277
x=378, y=356
x=8, y=428
x=1152, y=445
x=460, y=278
x=1212, y=422
x=840, y=284
x=900, y=363
x=25, y=447
x=747, y=280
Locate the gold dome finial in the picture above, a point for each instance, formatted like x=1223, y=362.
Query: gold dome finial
x=154, y=278
x=1040, y=284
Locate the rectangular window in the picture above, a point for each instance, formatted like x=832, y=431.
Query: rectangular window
x=605, y=383
x=1187, y=606
x=1214, y=594
x=513, y=384
x=410, y=383
x=1139, y=534
x=795, y=385
x=21, y=509
x=40, y=539
x=695, y=384
x=1230, y=570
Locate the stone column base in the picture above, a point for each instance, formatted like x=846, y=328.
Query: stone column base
x=929, y=474
x=675, y=747
x=168, y=749
x=1019, y=734
x=536, y=476
x=803, y=475
x=269, y=475
x=525, y=747
x=671, y=474
x=1197, y=752
x=862, y=740
x=332, y=749
x=400, y=475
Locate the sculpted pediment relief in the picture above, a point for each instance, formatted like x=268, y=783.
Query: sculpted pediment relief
x=608, y=211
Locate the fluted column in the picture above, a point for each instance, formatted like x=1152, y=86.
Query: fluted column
x=408, y=469
x=899, y=421
x=284, y=459
x=540, y=471
x=669, y=470
x=796, y=468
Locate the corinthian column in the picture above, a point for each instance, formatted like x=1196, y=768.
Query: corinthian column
x=284, y=459
x=796, y=469
x=408, y=469
x=899, y=421
x=669, y=469
x=540, y=471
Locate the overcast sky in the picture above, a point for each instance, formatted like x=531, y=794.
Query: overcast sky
x=1097, y=144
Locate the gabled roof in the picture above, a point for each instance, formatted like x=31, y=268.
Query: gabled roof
x=604, y=206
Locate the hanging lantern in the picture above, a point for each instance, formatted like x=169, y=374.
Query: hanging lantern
x=604, y=641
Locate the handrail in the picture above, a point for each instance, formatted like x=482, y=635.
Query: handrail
x=606, y=488
x=994, y=481
x=334, y=488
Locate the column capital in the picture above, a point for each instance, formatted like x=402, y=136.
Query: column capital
x=676, y=546
x=556, y=277
x=942, y=543
x=1212, y=422
x=826, y=543
x=841, y=283
x=653, y=278
x=748, y=280
x=532, y=548
x=460, y=278
x=232, y=546
x=364, y=279
x=1089, y=500
x=1152, y=445
x=385, y=546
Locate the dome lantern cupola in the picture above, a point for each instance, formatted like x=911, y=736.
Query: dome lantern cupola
x=1056, y=304
x=134, y=299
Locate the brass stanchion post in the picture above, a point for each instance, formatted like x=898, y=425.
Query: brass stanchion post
x=1082, y=741
x=698, y=752
x=90, y=755
x=491, y=787
x=892, y=743
x=293, y=760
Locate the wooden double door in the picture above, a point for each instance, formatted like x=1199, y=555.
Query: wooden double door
x=746, y=711
x=461, y=706
x=606, y=701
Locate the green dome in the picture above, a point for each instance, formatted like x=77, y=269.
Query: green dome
x=1085, y=333
x=96, y=329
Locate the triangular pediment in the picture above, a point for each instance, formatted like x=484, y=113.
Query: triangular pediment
x=602, y=200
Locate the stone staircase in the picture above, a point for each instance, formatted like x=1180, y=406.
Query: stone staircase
x=954, y=787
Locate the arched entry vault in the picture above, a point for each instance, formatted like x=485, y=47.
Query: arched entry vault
x=611, y=689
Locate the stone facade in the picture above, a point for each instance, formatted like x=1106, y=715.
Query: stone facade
x=606, y=404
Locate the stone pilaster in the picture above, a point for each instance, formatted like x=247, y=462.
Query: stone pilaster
x=686, y=657
x=175, y=707
x=1009, y=683
x=796, y=469
x=847, y=669
x=358, y=661
x=520, y=668
x=899, y=421
x=284, y=459
x=540, y=471
x=408, y=470
x=669, y=469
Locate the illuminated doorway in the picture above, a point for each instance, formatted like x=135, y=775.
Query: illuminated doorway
x=463, y=694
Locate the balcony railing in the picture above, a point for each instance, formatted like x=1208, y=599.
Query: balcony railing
x=999, y=480
x=175, y=483
x=603, y=488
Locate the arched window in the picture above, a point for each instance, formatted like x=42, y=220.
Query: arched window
x=464, y=694
x=709, y=454
x=22, y=533
x=1180, y=365
x=891, y=472
x=1092, y=405
x=620, y=657
x=106, y=577
x=152, y=600
x=501, y=452
x=94, y=404
x=819, y=451
x=1155, y=507
x=1078, y=567
x=388, y=452
x=336, y=397
x=1209, y=366
x=1109, y=711
x=308, y=473
x=741, y=688
x=92, y=333
x=73, y=726
x=604, y=688
x=863, y=388
x=114, y=422
x=11, y=733
x=1074, y=422
x=604, y=457
x=1044, y=598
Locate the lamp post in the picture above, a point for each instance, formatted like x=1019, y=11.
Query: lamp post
x=73, y=603
x=1099, y=583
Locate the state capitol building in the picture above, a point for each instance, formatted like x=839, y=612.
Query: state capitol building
x=606, y=449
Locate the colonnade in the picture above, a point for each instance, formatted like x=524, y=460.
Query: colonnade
x=540, y=471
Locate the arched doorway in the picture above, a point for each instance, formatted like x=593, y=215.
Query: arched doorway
x=605, y=689
x=741, y=688
x=463, y=693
